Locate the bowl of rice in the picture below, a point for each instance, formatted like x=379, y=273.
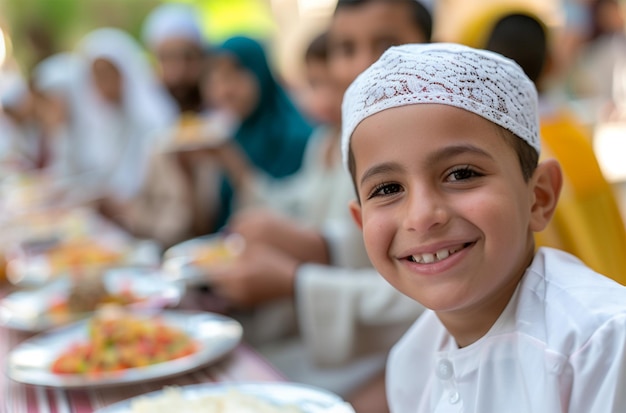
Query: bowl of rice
x=263, y=397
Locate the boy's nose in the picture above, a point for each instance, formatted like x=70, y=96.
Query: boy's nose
x=425, y=210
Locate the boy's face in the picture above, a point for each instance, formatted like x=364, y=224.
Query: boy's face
x=446, y=215
x=360, y=34
x=322, y=100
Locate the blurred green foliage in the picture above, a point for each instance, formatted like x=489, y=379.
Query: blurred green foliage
x=39, y=28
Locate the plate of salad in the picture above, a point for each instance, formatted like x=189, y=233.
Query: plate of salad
x=115, y=347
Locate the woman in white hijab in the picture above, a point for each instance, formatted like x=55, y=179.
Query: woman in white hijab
x=121, y=112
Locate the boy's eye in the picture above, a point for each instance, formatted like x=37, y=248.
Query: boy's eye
x=384, y=190
x=343, y=48
x=463, y=173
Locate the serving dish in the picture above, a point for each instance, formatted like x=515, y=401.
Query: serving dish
x=191, y=260
x=44, y=307
x=30, y=362
x=304, y=398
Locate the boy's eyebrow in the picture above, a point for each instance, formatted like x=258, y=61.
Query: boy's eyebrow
x=380, y=169
x=450, y=151
x=444, y=153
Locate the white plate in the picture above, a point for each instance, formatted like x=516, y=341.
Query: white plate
x=204, y=131
x=30, y=361
x=307, y=398
x=29, y=264
x=179, y=260
x=29, y=310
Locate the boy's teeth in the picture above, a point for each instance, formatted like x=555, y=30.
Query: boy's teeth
x=428, y=258
x=441, y=254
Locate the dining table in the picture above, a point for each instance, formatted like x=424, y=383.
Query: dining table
x=242, y=364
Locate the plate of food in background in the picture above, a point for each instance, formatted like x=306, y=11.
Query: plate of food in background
x=72, y=297
x=195, y=132
x=235, y=397
x=37, y=261
x=191, y=260
x=116, y=347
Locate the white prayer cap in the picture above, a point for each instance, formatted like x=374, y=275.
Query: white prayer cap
x=172, y=20
x=479, y=81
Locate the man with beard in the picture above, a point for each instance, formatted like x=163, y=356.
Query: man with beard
x=173, y=34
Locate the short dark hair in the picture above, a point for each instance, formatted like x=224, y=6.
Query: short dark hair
x=317, y=49
x=522, y=38
x=526, y=154
x=420, y=16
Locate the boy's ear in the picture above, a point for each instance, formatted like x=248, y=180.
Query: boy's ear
x=355, y=211
x=547, y=182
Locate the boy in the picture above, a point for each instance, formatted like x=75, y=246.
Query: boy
x=442, y=143
x=361, y=30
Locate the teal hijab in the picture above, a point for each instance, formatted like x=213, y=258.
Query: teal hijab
x=275, y=134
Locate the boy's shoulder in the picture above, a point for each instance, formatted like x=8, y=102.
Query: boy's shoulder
x=562, y=302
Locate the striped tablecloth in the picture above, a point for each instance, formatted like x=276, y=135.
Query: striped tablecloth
x=243, y=364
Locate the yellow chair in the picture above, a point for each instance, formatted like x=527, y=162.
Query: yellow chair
x=587, y=221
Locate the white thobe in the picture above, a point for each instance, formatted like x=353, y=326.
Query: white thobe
x=559, y=346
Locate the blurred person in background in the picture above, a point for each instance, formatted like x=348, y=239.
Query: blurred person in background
x=361, y=30
x=600, y=70
x=271, y=131
x=173, y=35
x=286, y=224
x=304, y=195
x=19, y=132
x=121, y=114
x=348, y=315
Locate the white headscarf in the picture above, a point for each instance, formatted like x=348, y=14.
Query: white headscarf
x=116, y=141
x=172, y=20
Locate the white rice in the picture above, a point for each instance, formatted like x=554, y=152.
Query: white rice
x=172, y=400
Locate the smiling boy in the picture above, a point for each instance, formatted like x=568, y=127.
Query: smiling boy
x=442, y=143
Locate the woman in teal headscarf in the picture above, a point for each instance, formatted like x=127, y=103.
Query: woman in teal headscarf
x=272, y=133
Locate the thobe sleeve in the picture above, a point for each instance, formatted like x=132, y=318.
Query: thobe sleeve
x=345, y=313
x=599, y=371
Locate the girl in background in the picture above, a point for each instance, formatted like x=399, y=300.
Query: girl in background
x=121, y=113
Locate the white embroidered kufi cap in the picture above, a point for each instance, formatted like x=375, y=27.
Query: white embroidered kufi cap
x=479, y=81
x=172, y=20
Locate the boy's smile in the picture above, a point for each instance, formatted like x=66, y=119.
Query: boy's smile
x=445, y=211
